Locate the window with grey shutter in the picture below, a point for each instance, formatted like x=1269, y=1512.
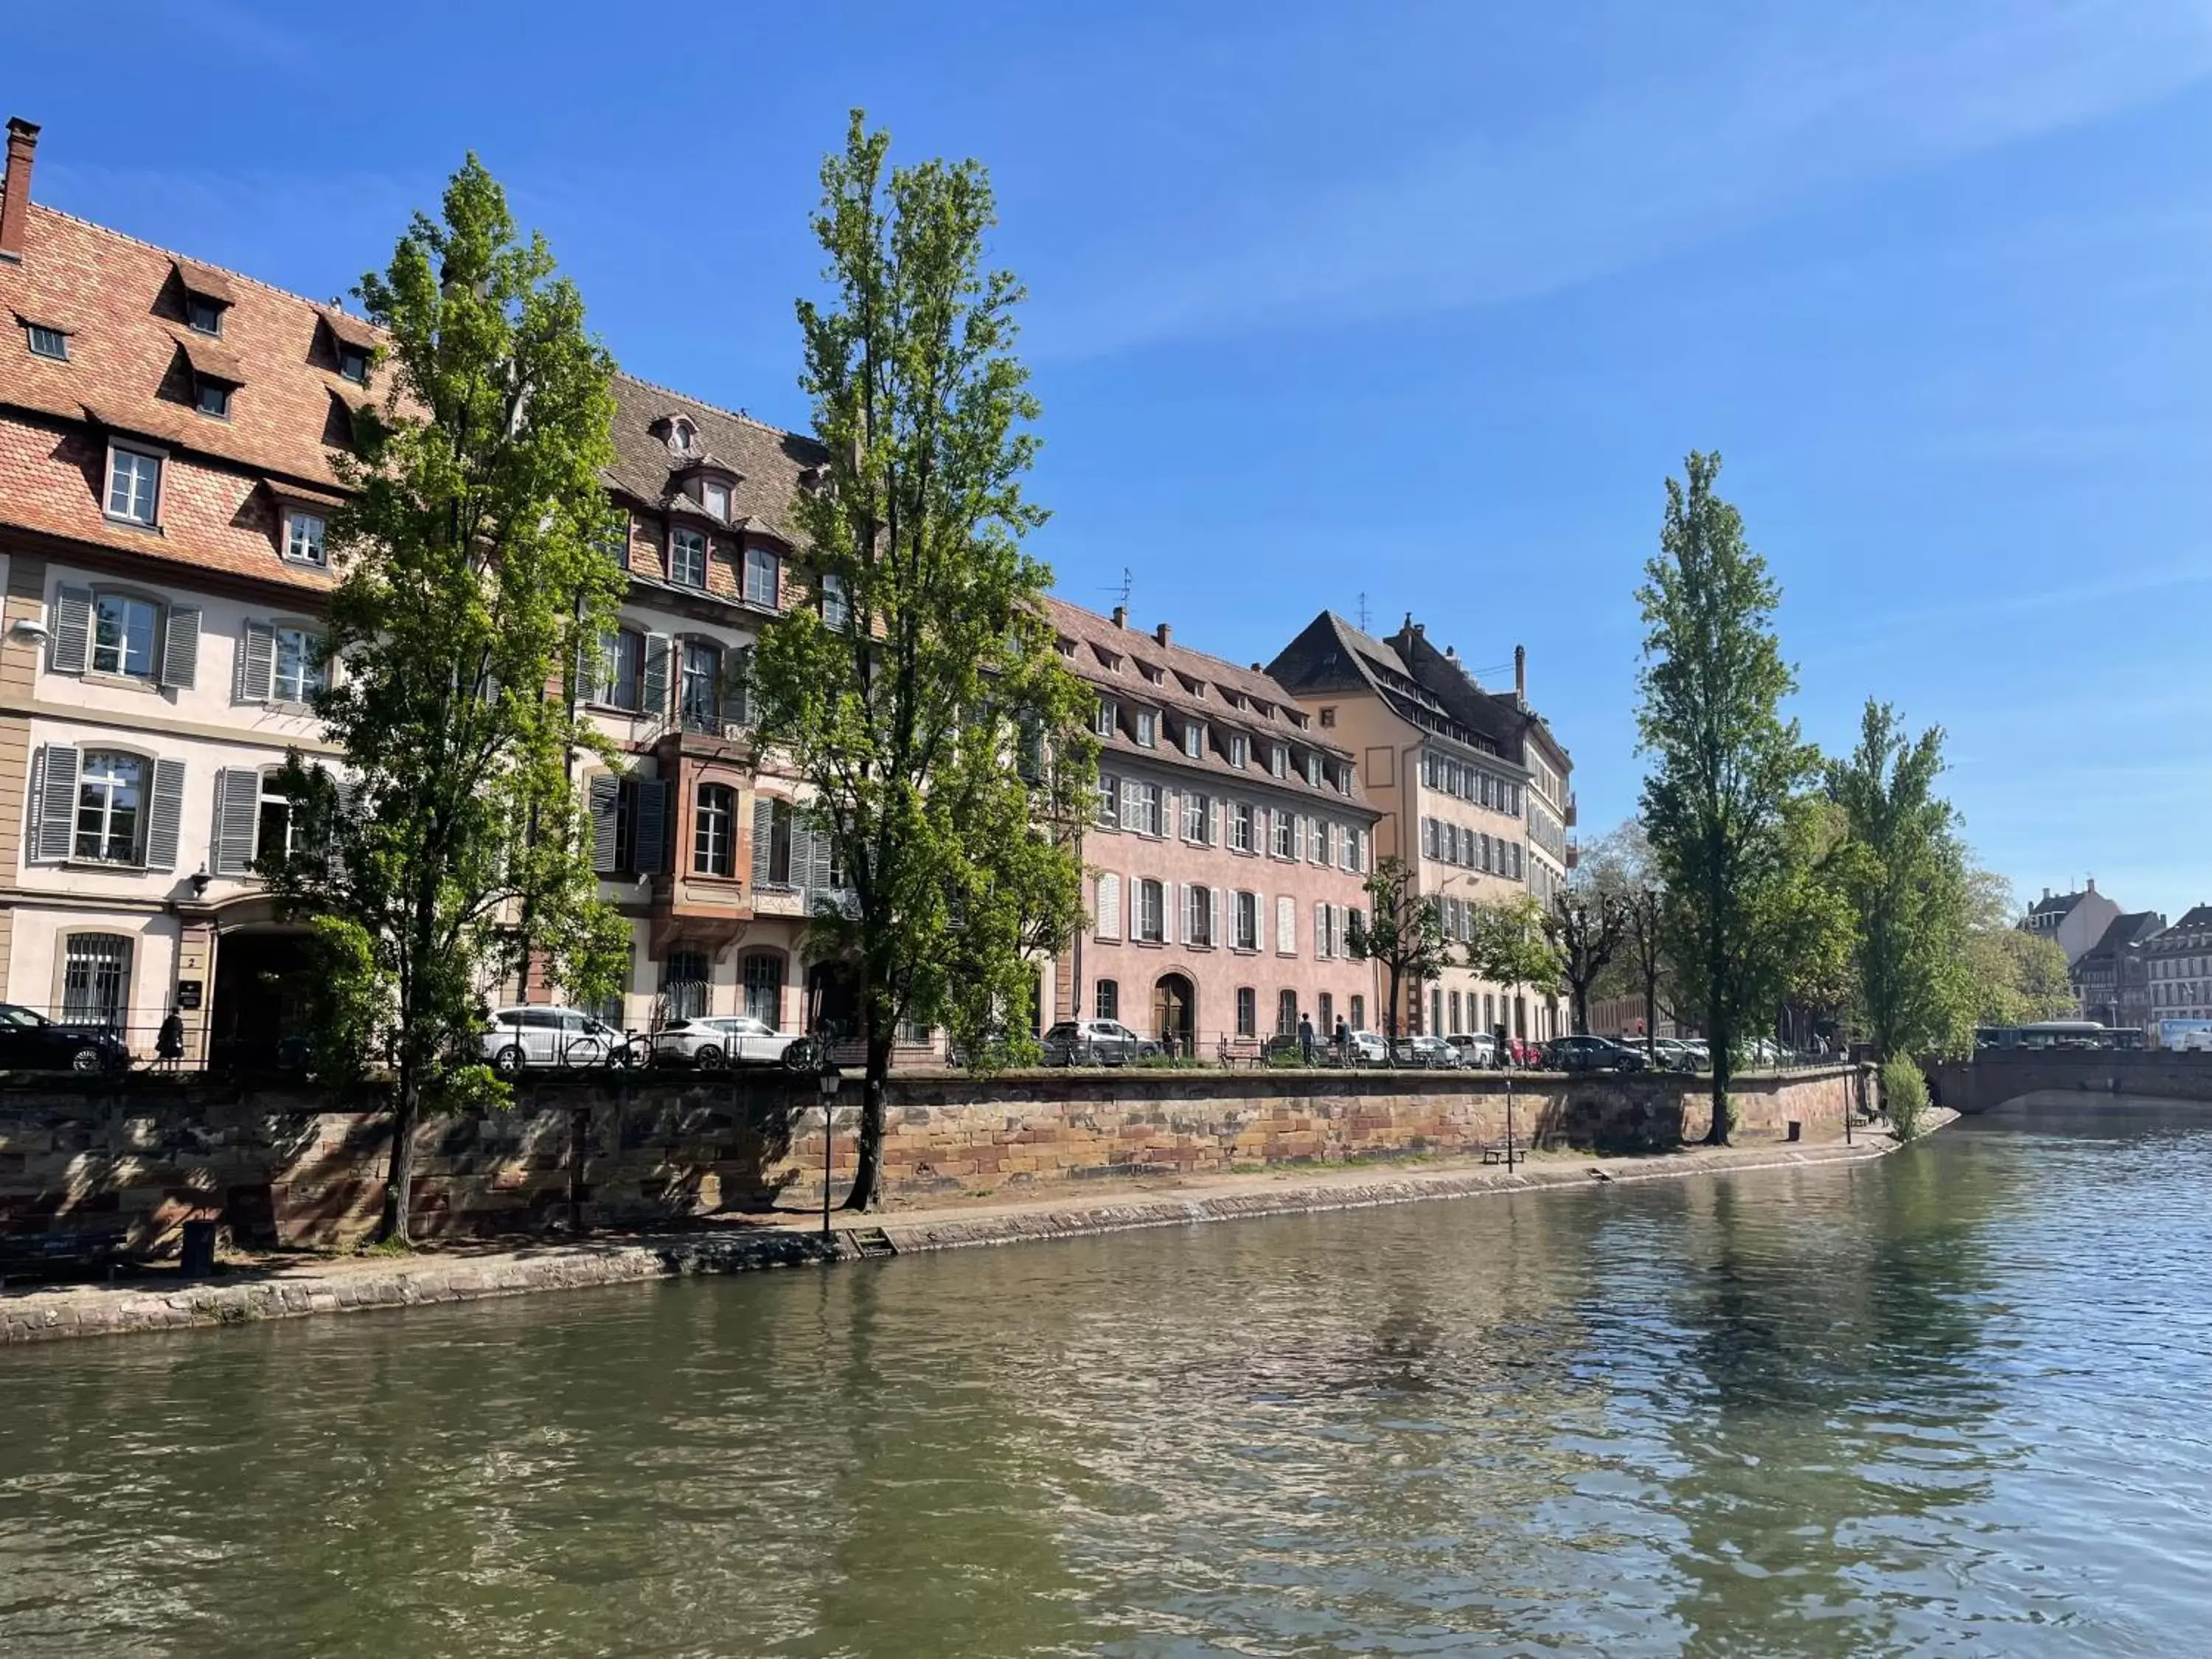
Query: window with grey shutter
x=817, y=861
x=257, y=663
x=167, y=816
x=180, y=647
x=57, y=802
x=606, y=816
x=763, y=837
x=654, y=702
x=651, y=855
x=737, y=687
x=72, y=643
x=237, y=809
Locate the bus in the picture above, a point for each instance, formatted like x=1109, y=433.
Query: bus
x=2058, y=1034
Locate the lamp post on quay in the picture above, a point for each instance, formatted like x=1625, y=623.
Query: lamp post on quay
x=830, y=1078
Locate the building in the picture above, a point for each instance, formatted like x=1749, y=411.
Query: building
x=1229, y=852
x=2178, y=964
x=2111, y=978
x=1457, y=774
x=2074, y=920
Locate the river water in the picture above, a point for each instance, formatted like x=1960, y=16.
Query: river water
x=1955, y=1402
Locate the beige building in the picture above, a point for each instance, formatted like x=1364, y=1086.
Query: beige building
x=1452, y=769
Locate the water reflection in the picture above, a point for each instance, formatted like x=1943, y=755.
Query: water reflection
x=1951, y=1402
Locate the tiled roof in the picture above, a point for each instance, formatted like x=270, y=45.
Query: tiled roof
x=2058, y=905
x=2132, y=928
x=767, y=463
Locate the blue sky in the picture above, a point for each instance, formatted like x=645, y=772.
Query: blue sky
x=1416, y=304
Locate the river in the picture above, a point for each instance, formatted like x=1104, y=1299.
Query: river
x=1953, y=1401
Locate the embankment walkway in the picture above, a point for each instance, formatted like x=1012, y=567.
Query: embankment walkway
x=282, y=1286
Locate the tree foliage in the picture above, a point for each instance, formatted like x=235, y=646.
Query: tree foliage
x=1720, y=802
x=1509, y=945
x=1403, y=931
x=454, y=850
x=1905, y=876
x=2014, y=977
x=944, y=744
x=1585, y=923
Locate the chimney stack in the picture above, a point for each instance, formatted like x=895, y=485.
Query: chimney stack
x=1121, y=616
x=15, y=196
x=2093, y=884
x=1521, y=673
x=1161, y=632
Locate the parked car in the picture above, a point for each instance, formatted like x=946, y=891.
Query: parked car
x=1476, y=1047
x=1094, y=1042
x=720, y=1040
x=1424, y=1051
x=1591, y=1053
x=31, y=1042
x=1673, y=1054
x=540, y=1035
x=1368, y=1049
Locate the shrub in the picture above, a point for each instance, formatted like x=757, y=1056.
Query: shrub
x=1904, y=1095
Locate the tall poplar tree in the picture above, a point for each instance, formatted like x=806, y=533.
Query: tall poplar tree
x=946, y=746
x=1719, y=804
x=1905, y=881
x=451, y=848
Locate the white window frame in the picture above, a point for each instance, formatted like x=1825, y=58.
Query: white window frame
x=147, y=468
x=1105, y=721
x=312, y=675
x=152, y=676
x=1240, y=750
x=1240, y=827
x=1194, y=740
x=1247, y=911
x=306, y=547
x=1197, y=813
x=1279, y=760
x=682, y=541
x=108, y=782
x=763, y=576
x=714, y=496
x=1151, y=918
x=837, y=606
x=1148, y=728
x=56, y=338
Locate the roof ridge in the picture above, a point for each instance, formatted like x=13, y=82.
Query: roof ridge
x=738, y=414
x=189, y=259
x=1232, y=666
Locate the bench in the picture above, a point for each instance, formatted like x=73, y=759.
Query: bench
x=26, y=1252
x=1233, y=1052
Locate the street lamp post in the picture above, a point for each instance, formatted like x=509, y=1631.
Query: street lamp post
x=829, y=1079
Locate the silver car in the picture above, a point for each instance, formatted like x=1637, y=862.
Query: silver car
x=538, y=1035
x=720, y=1040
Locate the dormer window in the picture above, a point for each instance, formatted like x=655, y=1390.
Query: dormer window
x=1105, y=721
x=1153, y=676
x=682, y=436
x=203, y=315
x=1240, y=748
x=688, y=558
x=1313, y=770
x=303, y=537
x=353, y=364
x=1194, y=740
x=1279, y=760
x=714, y=496
x=47, y=342
x=212, y=398
x=1148, y=728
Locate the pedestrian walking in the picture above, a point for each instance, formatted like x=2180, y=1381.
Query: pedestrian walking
x=1343, y=1042
x=169, y=1042
x=1306, y=1037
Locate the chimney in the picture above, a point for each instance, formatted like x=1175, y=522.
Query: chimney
x=15, y=195
x=1161, y=632
x=2046, y=892
x=2093, y=884
x=1121, y=616
x=1521, y=673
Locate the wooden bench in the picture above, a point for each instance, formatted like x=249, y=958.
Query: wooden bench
x=26, y=1252
x=1239, y=1051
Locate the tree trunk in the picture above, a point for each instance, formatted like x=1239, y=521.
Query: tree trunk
x=1390, y=1019
x=1717, y=1133
x=1650, y=1018
x=868, y=1173
x=399, y=1185
x=1581, y=1006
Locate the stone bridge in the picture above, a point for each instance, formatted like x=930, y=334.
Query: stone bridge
x=1996, y=1076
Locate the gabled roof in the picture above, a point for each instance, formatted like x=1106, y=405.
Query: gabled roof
x=1331, y=655
x=767, y=463
x=2056, y=904
x=2132, y=928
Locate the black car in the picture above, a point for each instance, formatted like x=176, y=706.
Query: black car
x=1591, y=1053
x=31, y=1042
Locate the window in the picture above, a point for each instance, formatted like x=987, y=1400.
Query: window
x=134, y=486
x=1106, y=999
x=684, y=984
x=353, y=363
x=779, y=843
x=687, y=558
x=299, y=672
x=49, y=342
x=1287, y=835
x=277, y=835
x=1152, y=912
x=1358, y=1013
x=110, y=802
x=303, y=537
x=1107, y=908
x=1247, y=921
x=1102, y=723
x=1140, y=807
x=202, y=315
x=1197, y=818
x=1287, y=1013
x=621, y=669
x=1198, y=915
x=714, y=496
x=763, y=980
x=714, y=839
x=1148, y=726
x=124, y=630
x=702, y=687
x=96, y=971
x=1248, y=1011
x=212, y=398
x=1328, y=717
x=680, y=435
x=1240, y=748
x=836, y=608
x=1240, y=827
x=762, y=577
x=1279, y=760
x=1325, y=1007
x=1194, y=740
x=1109, y=794
x=1313, y=770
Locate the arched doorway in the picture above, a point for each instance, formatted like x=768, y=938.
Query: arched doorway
x=263, y=997
x=1175, y=1012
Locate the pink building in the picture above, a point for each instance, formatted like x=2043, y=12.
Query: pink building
x=1227, y=853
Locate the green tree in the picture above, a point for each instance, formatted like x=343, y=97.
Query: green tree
x=1905, y=881
x=1619, y=862
x=2014, y=977
x=1403, y=931
x=1509, y=945
x=455, y=850
x=946, y=744
x=1726, y=770
x=1584, y=923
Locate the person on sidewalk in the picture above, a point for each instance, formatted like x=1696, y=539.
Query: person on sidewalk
x=169, y=1042
x=1343, y=1040
x=1306, y=1037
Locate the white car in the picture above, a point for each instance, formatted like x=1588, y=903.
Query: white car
x=1475, y=1048
x=720, y=1040
x=1368, y=1049
x=539, y=1035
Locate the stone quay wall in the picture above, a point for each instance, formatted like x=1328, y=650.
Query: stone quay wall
x=282, y=1165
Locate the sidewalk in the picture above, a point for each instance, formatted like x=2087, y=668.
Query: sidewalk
x=281, y=1286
